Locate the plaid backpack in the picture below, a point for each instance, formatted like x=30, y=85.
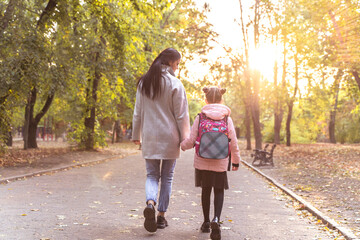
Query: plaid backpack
x=212, y=141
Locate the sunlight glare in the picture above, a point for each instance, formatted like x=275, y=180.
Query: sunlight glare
x=263, y=59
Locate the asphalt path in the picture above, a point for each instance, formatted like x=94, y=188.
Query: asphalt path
x=106, y=201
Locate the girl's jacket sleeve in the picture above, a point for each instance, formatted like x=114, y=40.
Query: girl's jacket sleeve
x=235, y=152
x=189, y=142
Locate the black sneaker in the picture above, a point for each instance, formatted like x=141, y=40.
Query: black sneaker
x=150, y=222
x=161, y=222
x=205, y=227
x=215, y=230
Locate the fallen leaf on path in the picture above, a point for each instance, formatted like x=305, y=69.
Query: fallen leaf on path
x=60, y=217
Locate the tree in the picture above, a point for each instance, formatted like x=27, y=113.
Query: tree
x=252, y=76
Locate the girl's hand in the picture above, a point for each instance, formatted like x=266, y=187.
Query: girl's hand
x=137, y=142
x=234, y=168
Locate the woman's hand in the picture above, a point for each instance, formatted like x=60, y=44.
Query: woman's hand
x=137, y=142
x=234, y=168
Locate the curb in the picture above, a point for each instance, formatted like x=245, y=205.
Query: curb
x=347, y=233
x=54, y=170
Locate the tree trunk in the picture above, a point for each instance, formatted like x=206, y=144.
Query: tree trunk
x=247, y=102
x=90, y=121
x=357, y=78
x=291, y=101
x=255, y=108
x=90, y=129
x=255, y=111
x=119, y=134
x=32, y=135
x=248, y=107
x=288, y=123
x=26, y=124
x=29, y=109
x=32, y=122
x=280, y=96
x=332, y=126
x=9, y=139
x=91, y=104
x=333, y=111
x=247, y=93
x=247, y=121
x=113, y=134
x=277, y=117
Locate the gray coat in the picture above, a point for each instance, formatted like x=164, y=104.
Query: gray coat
x=164, y=122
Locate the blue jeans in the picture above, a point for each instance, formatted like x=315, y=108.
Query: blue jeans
x=154, y=174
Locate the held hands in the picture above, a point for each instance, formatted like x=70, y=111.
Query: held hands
x=182, y=147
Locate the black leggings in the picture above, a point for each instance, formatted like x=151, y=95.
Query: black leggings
x=218, y=202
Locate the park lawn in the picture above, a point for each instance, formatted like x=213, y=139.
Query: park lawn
x=326, y=175
x=47, y=152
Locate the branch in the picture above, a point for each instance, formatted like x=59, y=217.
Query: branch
x=46, y=107
x=49, y=9
x=168, y=16
x=9, y=12
x=243, y=30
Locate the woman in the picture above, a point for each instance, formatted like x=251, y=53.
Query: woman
x=161, y=118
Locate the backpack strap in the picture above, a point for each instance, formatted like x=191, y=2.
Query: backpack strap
x=229, y=163
x=200, y=118
x=199, y=114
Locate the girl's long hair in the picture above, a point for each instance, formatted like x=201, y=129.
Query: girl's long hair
x=150, y=83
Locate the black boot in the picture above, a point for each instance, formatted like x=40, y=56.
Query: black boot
x=215, y=229
x=150, y=222
x=205, y=227
x=161, y=222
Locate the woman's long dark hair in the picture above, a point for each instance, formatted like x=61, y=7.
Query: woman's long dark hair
x=150, y=83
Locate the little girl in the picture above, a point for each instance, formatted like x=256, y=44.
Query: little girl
x=211, y=173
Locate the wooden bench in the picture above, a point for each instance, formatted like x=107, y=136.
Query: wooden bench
x=263, y=158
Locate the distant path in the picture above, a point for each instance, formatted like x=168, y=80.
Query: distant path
x=106, y=201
